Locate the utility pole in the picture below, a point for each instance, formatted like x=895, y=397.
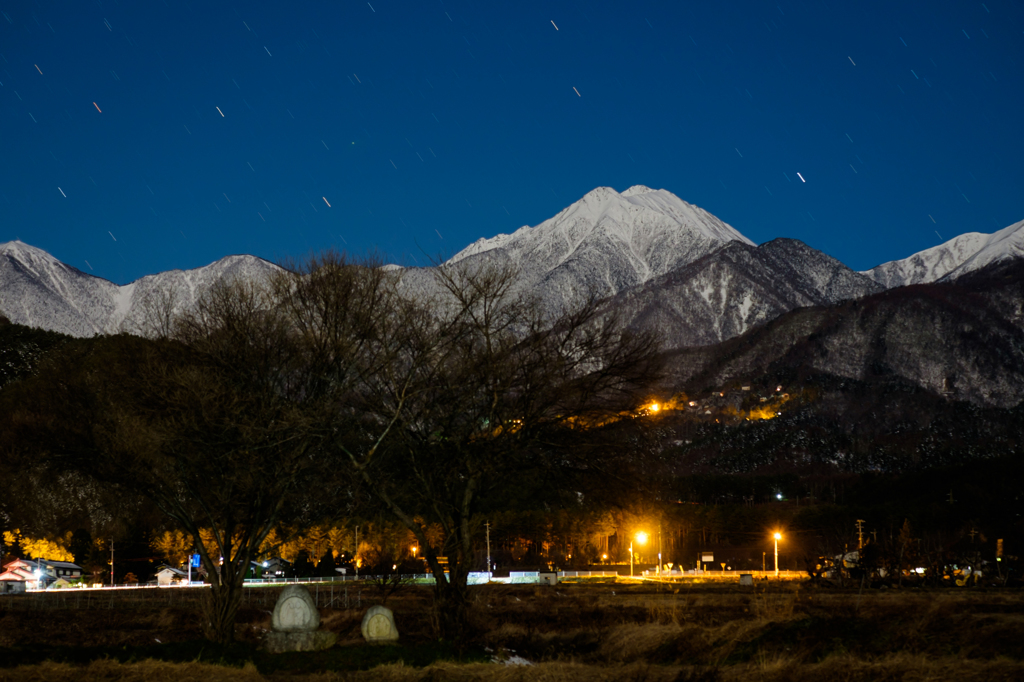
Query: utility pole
x=860, y=534
x=972, y=534
x=111, y=562
x=951, y=496
x=659, y=550
x=355, y=563
x=487, y=525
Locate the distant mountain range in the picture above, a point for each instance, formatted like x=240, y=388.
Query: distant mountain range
x=962, y=339
x=664, y=265
x=37, y=290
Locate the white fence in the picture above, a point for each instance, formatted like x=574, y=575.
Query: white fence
x=475, y=578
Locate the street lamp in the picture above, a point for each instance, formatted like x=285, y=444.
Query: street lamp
x=778, y=536
x=641, y=539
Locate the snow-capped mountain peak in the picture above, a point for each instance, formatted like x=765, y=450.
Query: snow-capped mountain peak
x=637, y=212
x=637, y=189
x=966, y=253
x=29, y=256
x=607, y=242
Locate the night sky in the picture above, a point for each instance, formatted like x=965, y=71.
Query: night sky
x=137, y=137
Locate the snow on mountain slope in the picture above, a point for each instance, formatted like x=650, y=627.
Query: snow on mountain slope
x=966, y=253
x=39, y=291
x=738, y=287
x=602, y=244
x=181, y=288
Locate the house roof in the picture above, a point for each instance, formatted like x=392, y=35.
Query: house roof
x=17, y=573
x=17, y=563
x=175, y=571
x=60, y=564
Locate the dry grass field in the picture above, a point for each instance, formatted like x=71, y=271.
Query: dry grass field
x=592, y=632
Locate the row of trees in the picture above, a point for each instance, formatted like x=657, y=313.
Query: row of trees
x=326, y=389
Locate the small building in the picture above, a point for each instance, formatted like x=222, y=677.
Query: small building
x=170, y=576
x=276, y=567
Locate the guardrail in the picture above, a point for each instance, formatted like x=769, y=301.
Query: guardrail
x=475, y=578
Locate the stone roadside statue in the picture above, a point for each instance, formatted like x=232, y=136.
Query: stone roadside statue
x=379, y=626
x=295, y=622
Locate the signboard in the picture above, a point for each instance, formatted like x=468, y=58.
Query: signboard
x=707, y=557
x=195, y=561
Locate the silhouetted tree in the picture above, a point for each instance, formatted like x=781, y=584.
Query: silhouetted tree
x=303, y=567
x=209, y=425
x=325, y=567
x=462, y=396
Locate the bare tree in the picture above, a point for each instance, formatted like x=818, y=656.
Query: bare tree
x=262, y=394
x=463, y=397
x=211, y=426
x=156, y=315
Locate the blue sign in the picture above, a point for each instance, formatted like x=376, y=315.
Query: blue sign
x=195, y=561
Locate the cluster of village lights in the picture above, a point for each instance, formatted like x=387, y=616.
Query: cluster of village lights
x=641, y=539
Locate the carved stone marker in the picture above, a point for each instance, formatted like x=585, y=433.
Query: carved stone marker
x=295, y=622
x=295, y=611
x=379, y=626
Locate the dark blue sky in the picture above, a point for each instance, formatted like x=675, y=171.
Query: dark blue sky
x=458, y=119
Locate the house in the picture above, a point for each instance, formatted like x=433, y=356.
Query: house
x=276, y=567
x=20, y=570
x=169, y=576
x=41, y=573
x=63, y=572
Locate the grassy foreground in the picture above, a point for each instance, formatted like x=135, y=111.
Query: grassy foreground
x=787, y=631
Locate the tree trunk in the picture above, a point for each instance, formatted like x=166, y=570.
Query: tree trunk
x=451, y=615
x=220, y=608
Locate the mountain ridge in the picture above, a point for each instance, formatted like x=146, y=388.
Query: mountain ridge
x=40, y=291
x=668, y=265
x=962, y=254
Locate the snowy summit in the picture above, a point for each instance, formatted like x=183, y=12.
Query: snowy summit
x=608, y=242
